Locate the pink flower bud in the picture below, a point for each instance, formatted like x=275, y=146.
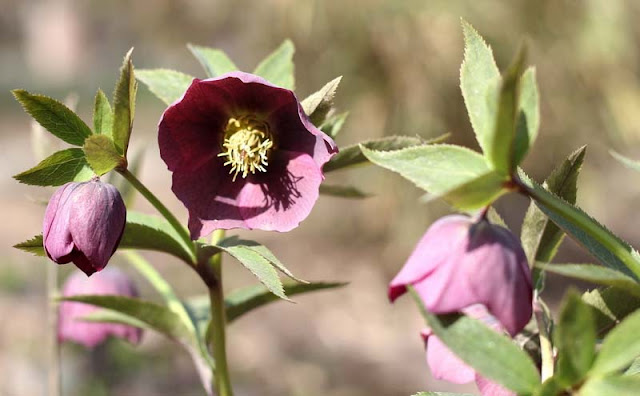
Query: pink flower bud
x=71, y=327
x=460, y=262
x=444, y=365
x=83, y=224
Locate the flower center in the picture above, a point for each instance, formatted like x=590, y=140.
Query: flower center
x=246, y=146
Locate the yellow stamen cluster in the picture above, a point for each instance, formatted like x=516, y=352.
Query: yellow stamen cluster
x=247, y=144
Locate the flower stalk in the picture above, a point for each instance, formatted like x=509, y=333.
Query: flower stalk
x=166, y=213
x=216, y=336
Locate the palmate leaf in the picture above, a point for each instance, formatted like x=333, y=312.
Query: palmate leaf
x=457, y=174
x=167, y=85
x=614, y=385
x=124, y=105
x=473, y=342
x=214, y=61
x=101, y=154
x=277, y=67
x=54, y=116
x=61, y=167
x=334, y=123
x=528, y=122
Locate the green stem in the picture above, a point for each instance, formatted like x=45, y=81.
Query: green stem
x=166, y=213
x=217, y=334
x=53, y=388
x=586, y=224
x=546, y=348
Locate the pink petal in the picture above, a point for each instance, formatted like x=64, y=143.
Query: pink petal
x=440, y=240
x=444, y=365
x=489, y=388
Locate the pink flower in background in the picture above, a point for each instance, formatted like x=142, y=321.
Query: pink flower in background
x=460, y=262
x=444, y=365
x=83, y=224
x=243, y=154
x=71, y=327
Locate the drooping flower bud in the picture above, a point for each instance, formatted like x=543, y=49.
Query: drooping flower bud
x=83, y=224
x=460, y=262
x=71, y=327
x=445, y=365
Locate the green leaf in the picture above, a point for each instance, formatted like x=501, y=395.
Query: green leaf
x=255, y=262
x=629, y=163
x=154, y=316
x=334, y=123
x=634, y=369
x=318, y=104
x=241, y=301
x=441, y=394
x=474, y=342
x=214, y=61
x=262, y=250
x=342, y=191
x=102, y=115
x=477, y=193
x=479, y=80
x=528, y=122
x=610, y=306
x=596, y=274
x=607, y=247
x=54, y=117
x=167, y=85
x=550, y=387
x=153, y=233
x=457, y=174
x=618, y=386
x=619, y=348
x=352, y=155
x=575, y=339
x=499, y=145
x=59, y=168
x=277, y=67
x=102, y=154
x=34, y=245
x=541, y=237
x=124, y=104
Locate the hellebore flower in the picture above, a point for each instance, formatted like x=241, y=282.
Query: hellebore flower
x=243, y=154
x=444, y=365
x=83, y=224
x=460, y=262
x=71, y=327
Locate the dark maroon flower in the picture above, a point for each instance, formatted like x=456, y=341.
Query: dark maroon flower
x=83, y=224
x=460, y=262
x=71, y=326
x=243, y=154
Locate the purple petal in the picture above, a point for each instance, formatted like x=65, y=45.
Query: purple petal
x=433, y=249
x=72, y=328
x=490, y=388
x=444, y=365
x=57, y=239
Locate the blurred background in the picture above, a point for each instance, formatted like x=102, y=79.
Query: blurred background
x=400, y=61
